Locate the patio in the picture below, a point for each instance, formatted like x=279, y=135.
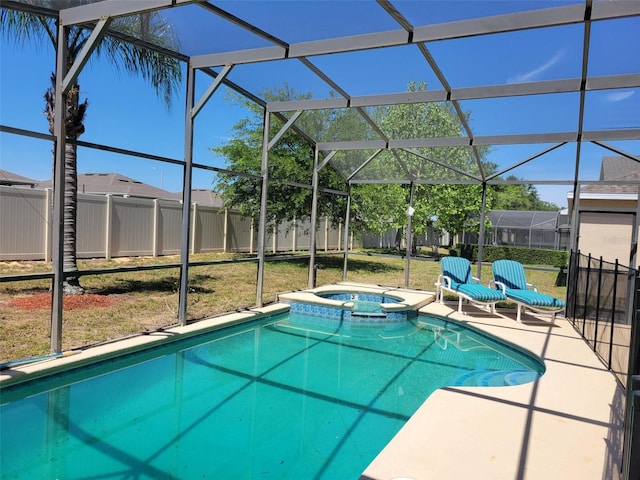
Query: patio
x=567, y=425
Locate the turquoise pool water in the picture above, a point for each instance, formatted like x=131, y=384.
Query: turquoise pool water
x=289, y=397
x=363, y=302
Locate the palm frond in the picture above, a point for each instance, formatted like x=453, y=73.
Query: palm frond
x=23, y=27
x=162, y=71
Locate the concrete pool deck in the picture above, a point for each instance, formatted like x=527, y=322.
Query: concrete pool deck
x=568, y=425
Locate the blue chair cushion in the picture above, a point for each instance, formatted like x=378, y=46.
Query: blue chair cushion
x=536, y=299
x=479, y=292
x=511, y=273
x=458, y=269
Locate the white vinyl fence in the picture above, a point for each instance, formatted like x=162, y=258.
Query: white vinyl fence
x=114, y=226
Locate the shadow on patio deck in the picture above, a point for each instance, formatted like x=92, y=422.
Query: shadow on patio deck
x=566, y=425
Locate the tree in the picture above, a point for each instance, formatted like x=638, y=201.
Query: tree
x=163, y=72
x=376, y=206
x=519, y=197
x=290, y=162
x=453, y=205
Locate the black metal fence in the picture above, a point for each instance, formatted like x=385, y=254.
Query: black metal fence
x=600, y=304
x=603, y=301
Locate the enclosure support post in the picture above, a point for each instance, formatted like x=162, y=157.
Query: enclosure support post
x=194, y=226
x=48, y=222
x=262, y=227
x=346, y=234
x=633, y=256
x=294, y=235
x=108, y=234
x=57, y=252
x=225, y=235
x=631, y=454
x=575, y=218
x=409, y=235
x=186, y=197
x=483, y=215
x=632, y=291
x=314, y=219
x=156, y=228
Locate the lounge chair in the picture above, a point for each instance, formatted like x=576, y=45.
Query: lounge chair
x=456, y=278
x=510, y=279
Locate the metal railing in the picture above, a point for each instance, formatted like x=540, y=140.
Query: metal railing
x=600, y=305
x=603, y=301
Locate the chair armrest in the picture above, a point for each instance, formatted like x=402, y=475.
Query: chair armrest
x=498, y=286
x=531, y=286
x=444, y=281
x=475, y=280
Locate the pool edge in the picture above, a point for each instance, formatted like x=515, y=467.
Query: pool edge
x=83, y=356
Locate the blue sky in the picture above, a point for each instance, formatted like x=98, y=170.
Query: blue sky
x=124, y=111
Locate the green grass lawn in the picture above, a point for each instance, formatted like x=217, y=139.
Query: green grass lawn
x=134, y=302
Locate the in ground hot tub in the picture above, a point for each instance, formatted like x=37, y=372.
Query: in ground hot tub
x=365, y=304
x=358, y=302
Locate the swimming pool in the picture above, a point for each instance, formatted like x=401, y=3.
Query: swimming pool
x=288, y=397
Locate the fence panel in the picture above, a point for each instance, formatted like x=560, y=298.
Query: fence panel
x=210, y=230
x=241, y=237
x=24, y=223
x=333, y=238
x=132, y=227
x=302, y=234
x=113, y=226
x=284, y=238
x=91, y=224
x=598, y=306
x=168, y=227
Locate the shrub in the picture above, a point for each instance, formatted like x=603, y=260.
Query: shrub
x=526, y=256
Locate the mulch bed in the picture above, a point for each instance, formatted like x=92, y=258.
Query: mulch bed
x=70, y=302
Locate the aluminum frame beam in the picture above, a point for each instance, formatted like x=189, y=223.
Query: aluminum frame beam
x=57, y=238
x=548, y=87
x=112, y=8
x=549, y=17
x=525, y=138
x=185, y=237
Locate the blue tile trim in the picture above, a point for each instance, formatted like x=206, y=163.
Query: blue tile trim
x=319, y=311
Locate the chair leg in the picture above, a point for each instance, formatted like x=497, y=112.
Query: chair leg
x=518, y=315
x=460, y=305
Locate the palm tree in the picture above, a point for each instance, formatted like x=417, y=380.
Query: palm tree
x=162, y=71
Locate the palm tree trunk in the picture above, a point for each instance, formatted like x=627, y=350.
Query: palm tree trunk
x=70, y=265
x=74, y=115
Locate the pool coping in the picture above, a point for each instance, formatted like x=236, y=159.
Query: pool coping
x=80, y=357
x=408, y=299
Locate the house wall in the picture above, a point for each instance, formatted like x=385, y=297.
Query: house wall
x=607, y=235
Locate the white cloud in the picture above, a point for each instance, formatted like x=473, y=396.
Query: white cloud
x=536, y=72
x=619, y=96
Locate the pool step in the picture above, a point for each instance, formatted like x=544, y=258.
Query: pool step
x=493, y=378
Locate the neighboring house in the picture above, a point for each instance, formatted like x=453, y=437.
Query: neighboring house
x=12, y=179
x=607, y=211
x=201, y=196
x=115, y=184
